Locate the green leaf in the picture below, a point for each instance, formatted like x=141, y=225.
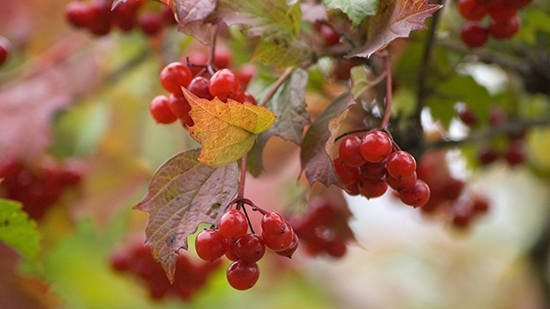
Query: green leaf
x=314, y=159
x=18, y=230
x=459, y=88
x=356, y=10
x=261, y=18
x=182, y=194
x=282, y=52
x=289, y=105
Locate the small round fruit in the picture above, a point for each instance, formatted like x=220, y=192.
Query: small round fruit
x=174, y=76
x=401, y=164
x=223, y=84
x=349, y=153
x=474, y=34
x=210, y=245
x=160, y=111
x=471, y=9
x=250, y=248
x=242, y=275
x=5, y=48
x=504, y=29
x=233, y=224
x=416, y=196
x=375, y=146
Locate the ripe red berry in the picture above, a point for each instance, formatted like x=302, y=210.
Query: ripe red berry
x=210, y=245
x=223, y=84
x=375, y=146
x=179, y=105
x=280, y=242
x=371, y=188
x=371, y=170
x=474, y=34
x=401, y=164
x=502, y=12
x=401, y=184
x=160, y=110
x=471, y=9
x=174, y=76
x=515, y=153
x=348, y=151
x=80, y=14
x=416, y=196
x=487, y=155
x=5, y=48
x=330, y=36
x=518, y=4
x=242, y=275
x=150, y=23
x=288, y=252
x=233, y=224
x=273, y=224
x=467, y=117
x=250, y=248
x=250, y=98
x=504, y=29
x=347, y=174
x=199, y=87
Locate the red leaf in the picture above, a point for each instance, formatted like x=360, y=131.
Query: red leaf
x=315, y=161
x=395, y=19
x=182, y=194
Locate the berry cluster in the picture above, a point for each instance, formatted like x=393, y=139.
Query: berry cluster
x=503, y=22
x=245, y=249
x=224, y=84
x=512, y=150
x=322, y=229
x=37, y=187
x=449, y=195
x=368, y=165
x=138, y=260
x=99, y=19
x=5, y=48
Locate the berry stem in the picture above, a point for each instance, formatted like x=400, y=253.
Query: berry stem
x=276, y=86
x=387, y=112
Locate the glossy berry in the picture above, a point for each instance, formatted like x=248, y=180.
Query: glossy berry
x=174, y=76
x=230, y=253
x=348, y=151
x=288, y=252
x=401, y=164
x=375, y=146
x=210, y=245
x=416, y=196
x=474, y=34
x=280, y=242
x=199, y=87
x=371, y=188
x=242, y=275
x=233, y=224
x=402, y=183
x=223, y=84
x=347, y=174
x=160, y=110
x=371, y=170
x=273, y=224
x=504, y=29
x=249, y=98
x=471, y=9
x=250, y=248
x=5, y=48
x=178, y=105
x=80, y=14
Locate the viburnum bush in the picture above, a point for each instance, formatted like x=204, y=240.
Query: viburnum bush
x=375, y=97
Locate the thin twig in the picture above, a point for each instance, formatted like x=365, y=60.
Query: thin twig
x=387, y=112
x=276, y=86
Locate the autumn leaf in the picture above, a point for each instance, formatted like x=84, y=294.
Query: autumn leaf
x=314, y=159
x=182, y=194
x=395, y=19
x=226, y=131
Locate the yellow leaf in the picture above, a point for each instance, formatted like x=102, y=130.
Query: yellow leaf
x=226, y=131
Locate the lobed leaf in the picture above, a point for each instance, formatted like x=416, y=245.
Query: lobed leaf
x=18, y=230
x=182, y=194
x=282, y=51
x=395, y=19
x=356, y=10
x=226, y=131
x=314, y=159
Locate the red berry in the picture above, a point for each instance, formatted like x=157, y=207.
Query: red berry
x=222, y=57
x=249, y=98
x=210, y=245
x=375, y=146
x=199, y=87
x=288, y=252
x=518, y=4
x=243, y=275
x=245, y=74
x=347, y=174
x=487, y=3
x=150, y=23
x=174, y=76
x=233, y=224
x=168, y=15
x=330, y=36
x=504, y=29
x=223, y=84
x=179, y=105
x=80, y=14
x=5, y=48
x=230, y=253
x=401, y=164
x=474, y=34
x=401, y=184
x=160, y=110
x=416, y=196
x=250, y=248
x=273, y=224
x=515, y=153
x=336, y=248
x=348, y=151
x=371, y=188
x=502, y=12
x=471, y=9
x=467, y=117
x=487, y=155
x=371, y=170
x=280, y=242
